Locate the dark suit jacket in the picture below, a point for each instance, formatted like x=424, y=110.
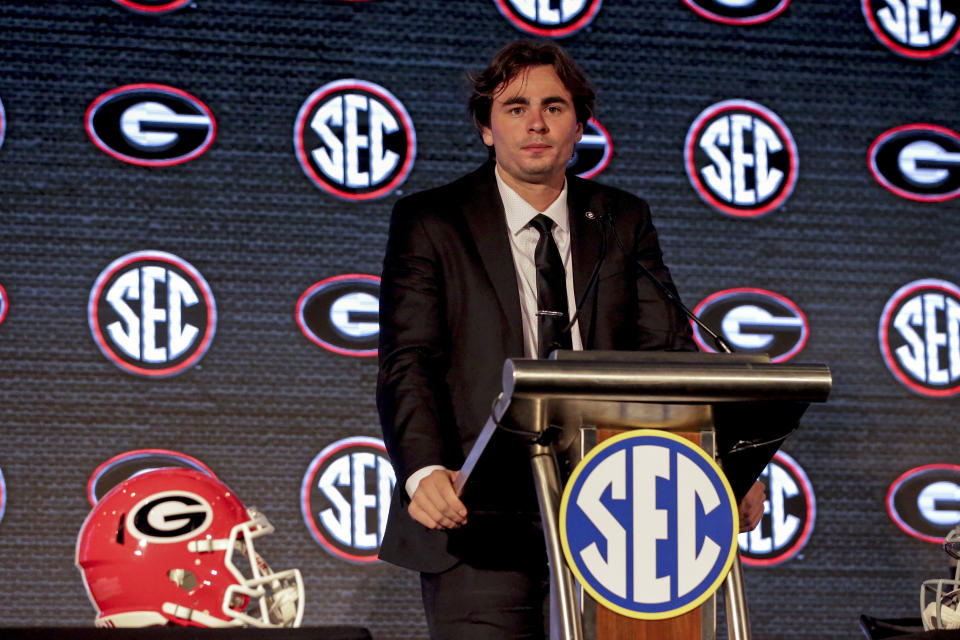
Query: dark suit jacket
x=450, y=316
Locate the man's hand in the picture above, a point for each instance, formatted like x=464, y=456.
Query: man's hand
x=435, y=504
x=751, y=507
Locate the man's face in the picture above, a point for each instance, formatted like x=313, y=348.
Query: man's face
x=533, y=127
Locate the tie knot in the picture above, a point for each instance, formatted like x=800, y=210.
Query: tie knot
x=542, y=223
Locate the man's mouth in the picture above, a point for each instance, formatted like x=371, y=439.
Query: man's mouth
x=536, y=146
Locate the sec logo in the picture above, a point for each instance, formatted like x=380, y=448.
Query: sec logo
x=738, y=11
x=591, y=154
x=754, y=321
x=342, y=314
x=550, y=18
x=648, y=524
x=925, y=501
x=918, y=29
x=741, y=158
x=345, y=497
x=129, y=463
x=918, y=161
x=152, y=314
x=153, y=6
x=354, y=140
x=920, y=337
x=150, y=124
x=789, y=514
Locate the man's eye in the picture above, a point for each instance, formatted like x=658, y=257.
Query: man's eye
x=516, y=111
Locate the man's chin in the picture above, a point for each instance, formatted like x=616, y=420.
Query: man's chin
x=537, y=173
x=534, y=172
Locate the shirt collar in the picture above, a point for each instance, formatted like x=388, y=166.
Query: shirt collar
x=519, y=212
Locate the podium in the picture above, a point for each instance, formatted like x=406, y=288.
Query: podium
x=737, y=408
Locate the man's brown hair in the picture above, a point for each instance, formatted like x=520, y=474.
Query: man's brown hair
x=513, y=60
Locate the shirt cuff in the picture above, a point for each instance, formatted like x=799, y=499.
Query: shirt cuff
x=414, y=480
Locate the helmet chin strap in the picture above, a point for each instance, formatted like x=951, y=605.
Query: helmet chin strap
x=284, y=606
x=131, y=619
x=948, y=617
x=281, y=605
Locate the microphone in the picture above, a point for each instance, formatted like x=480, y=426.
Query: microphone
x=595, y=274
x=718, y=340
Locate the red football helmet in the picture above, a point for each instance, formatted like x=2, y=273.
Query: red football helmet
x=167, y=546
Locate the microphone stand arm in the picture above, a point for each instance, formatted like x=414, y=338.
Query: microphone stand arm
x=721, y=344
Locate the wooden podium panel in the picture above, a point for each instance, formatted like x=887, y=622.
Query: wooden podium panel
x=614, y=626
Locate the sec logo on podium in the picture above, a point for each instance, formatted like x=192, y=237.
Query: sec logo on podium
x=649, y=524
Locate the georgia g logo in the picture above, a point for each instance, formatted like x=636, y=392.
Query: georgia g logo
x=754, y=321
x=354, y=140
x=549, y=18
x=130, y=463
x=738, y=11
x=152, y=314
x=925, y=501
x=342, y=314
x=170, y=516
x=918, y=161
x=648, y=524
x=345, y=498
x=150, y=124
x=918, y=29
x=920, y=337
x=741, y=158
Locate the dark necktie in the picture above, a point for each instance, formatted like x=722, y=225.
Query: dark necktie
x=553, y=312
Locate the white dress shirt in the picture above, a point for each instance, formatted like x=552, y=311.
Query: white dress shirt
x=523, y=244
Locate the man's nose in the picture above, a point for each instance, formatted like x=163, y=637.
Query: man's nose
x=537, y=124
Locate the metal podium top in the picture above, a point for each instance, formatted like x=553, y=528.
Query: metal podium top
x=654, y=388
x=661, y=377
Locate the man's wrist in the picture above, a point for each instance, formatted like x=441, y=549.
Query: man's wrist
x=413, y=481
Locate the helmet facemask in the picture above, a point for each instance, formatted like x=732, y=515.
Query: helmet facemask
x=263, y=598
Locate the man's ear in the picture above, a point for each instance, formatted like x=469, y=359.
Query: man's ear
x=487, y=136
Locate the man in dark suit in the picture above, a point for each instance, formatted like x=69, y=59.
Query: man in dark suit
x=459, y=295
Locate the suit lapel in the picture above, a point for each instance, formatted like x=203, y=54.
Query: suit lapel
x=585, y=249
x=486, y=220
